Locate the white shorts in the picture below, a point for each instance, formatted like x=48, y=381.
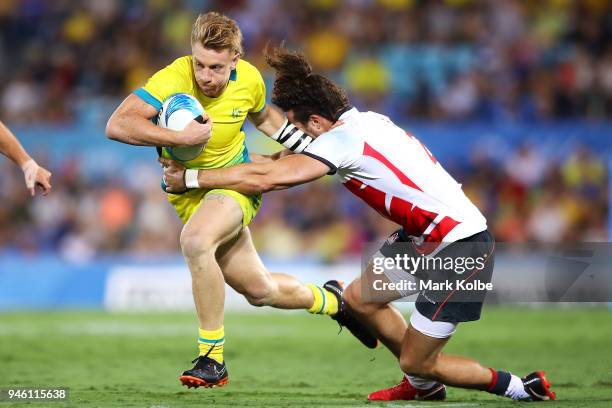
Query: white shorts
x=438, y=330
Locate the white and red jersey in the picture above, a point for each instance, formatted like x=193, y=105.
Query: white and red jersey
x=394, y=173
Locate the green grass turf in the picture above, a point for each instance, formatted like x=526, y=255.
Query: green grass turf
x=288, y=359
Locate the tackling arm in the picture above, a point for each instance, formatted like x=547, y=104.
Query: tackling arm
x=247, y=178
x=274, y=124
x=267, y=158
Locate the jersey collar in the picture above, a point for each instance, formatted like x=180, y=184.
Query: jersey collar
x=351, y=111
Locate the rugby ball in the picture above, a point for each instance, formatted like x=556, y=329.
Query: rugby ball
x=176, y=113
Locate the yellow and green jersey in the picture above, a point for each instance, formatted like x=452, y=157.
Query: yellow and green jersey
x=245, y=93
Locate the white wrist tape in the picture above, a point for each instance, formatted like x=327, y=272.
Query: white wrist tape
x=291, y=137
x=30, y=168
x=191, y=178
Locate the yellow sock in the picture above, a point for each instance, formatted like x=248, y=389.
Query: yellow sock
x=211, y=343
x=325, y=302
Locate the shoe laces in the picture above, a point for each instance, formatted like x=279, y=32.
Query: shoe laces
x=340, y=316
x=205, y=355
x=340, y=326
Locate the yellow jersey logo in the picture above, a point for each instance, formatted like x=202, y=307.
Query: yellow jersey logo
x=236, y=113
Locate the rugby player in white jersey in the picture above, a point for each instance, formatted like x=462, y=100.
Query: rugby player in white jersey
x=397, y=176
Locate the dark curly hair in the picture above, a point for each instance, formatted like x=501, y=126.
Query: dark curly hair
x=298, y=89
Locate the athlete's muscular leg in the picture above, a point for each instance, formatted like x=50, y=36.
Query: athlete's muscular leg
x=244, y=271
x=421, y=356
x=215, y=222
x=381, y=317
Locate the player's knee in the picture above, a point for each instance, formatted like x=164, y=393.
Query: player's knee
x=258, y=301
x=352, y=296
x=260, y=293
x=195, y=244
x=354, y=301
x=416, y=366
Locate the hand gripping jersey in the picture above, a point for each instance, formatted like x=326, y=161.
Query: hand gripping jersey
x=394, y=173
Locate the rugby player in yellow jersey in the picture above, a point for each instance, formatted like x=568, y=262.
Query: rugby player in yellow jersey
x=215, y=239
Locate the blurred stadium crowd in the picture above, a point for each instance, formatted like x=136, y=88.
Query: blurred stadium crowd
x=485, y=59
x=489, y=60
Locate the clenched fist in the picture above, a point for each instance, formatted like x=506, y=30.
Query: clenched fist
x=174, y=176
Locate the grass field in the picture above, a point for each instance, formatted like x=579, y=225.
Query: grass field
x=288, y=359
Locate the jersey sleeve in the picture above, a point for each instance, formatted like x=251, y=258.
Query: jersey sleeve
x=329, y=149
x=259, y=93
x=175, y=78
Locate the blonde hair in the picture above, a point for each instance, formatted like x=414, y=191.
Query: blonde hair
x=217, y=32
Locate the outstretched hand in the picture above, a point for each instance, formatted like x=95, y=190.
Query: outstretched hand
x=174, y=175
x=36, y=176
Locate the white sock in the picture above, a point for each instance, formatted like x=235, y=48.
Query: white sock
x=420, y=383
x=516, y=390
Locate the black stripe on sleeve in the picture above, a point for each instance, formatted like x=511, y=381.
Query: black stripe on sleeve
x=287, y=135
x=333, y=169
x=299, y=142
